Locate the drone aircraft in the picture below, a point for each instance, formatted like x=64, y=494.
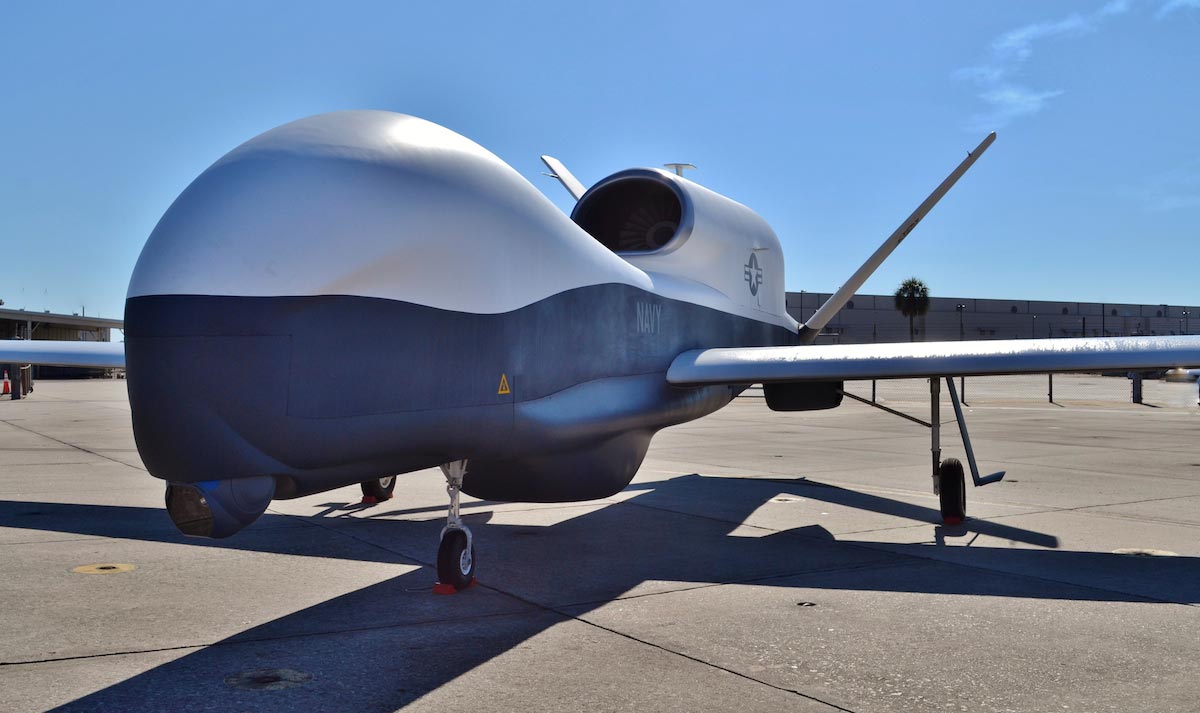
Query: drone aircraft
x=381, y=295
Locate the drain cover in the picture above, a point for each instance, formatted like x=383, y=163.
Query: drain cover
x=786, y=499
x=105, y=568
x=1144, y=552
x=268, y=679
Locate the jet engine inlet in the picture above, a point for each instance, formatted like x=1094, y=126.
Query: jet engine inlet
x=218, y=508
x=631, y=214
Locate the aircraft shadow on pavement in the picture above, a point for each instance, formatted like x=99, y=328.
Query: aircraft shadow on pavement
x=382, y=646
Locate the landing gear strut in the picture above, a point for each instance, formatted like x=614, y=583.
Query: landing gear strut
x=456, y=555
x=949, y=483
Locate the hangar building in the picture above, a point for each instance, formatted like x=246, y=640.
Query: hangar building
x=874, y=318
x=22, y=324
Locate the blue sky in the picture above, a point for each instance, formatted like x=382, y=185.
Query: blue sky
x=832, y=120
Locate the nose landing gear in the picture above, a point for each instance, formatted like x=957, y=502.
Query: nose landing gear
x=456, y=554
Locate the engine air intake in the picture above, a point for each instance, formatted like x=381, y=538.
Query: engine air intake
x=631, y=214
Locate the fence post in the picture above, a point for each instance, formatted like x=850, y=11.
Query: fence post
x=14, y=380
x=1051, y=393
x=872, y=391
x=1136, y=378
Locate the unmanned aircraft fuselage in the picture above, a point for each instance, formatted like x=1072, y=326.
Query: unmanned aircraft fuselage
x=361, y=294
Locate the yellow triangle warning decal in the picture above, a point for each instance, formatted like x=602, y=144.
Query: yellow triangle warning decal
x=503, y=385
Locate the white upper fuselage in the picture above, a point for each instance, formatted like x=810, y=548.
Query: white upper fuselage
x=376, y=204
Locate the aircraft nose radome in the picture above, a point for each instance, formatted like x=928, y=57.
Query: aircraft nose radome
x=283, y=305
x=372, y=204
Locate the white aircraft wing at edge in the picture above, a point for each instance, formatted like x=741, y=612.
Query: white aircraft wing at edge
x=99, y=355
x=838, y=362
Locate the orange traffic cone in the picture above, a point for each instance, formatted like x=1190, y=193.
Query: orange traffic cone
x=7, y=384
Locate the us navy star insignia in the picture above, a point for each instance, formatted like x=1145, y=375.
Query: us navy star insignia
x=753, y=274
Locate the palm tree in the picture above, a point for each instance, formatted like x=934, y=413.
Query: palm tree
x=912, y=300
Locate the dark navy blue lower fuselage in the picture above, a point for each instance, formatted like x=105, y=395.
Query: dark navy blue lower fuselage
x=556, y=401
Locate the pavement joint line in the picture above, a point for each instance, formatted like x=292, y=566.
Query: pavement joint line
x=280, y=637
x=1045, y=510
x=478, y=506
x=341, y=531
x=556, y=610
x=1034, y=509
x=1096, y=471
x=658, y=508
x=883, y=563
x=48, y=465
x=862, y=565
x=1024, y=575
x=710, y=664
x=51, y=542
x=72, y=445
x=889, y=529
x=45, y=465
x=883, y=546
x=1113, y=407
x=1081, y=508
x=854, y=488
x=1174, y=412
x=860, y=545
x=1133, y=518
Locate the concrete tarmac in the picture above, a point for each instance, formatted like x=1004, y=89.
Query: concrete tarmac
x=759, y=561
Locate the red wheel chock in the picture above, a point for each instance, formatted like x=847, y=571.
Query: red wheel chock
x=442, y=588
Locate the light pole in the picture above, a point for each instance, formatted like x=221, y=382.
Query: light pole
x=1185, y=321
x=960, y=307
x=1033, y=328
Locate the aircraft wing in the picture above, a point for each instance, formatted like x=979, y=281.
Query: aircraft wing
x=838, y=362
x=99, y=355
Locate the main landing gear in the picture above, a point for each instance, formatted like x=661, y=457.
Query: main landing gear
x=378, y=490
x=951, y=489
x=456, y=555
x=949, y=483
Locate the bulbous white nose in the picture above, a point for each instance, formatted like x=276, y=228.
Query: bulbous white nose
x=373, y=204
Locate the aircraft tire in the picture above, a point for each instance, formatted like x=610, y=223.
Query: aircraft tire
x=380, y=488
x=952, y=492
x=456, y=566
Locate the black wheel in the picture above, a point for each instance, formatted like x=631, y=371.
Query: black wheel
x=380, y=489
x=456, y=562
x=952, y=491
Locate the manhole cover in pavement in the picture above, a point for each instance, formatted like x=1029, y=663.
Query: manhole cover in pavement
x=268, y=679
x=1144, y=552
x=104, y=568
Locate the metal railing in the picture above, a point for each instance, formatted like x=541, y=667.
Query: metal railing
x=1061, y=389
